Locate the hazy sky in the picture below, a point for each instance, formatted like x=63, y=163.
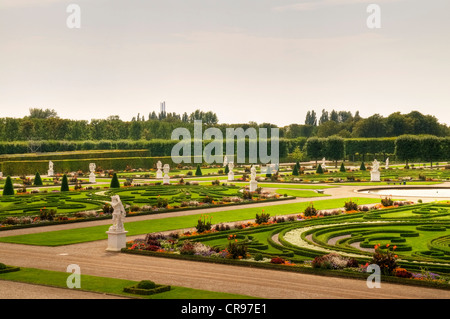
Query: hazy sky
x=246, y=60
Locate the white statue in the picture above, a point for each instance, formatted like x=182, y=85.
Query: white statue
x=324, y=166
x=159, y=174
x=253, y=173
x=375, y=172
x=166, y=178
x=50, y=168
x=225, y=161
x=387, y=163
x=230, y=173
x=92, y=168
x=375, y=166
x=118, y=215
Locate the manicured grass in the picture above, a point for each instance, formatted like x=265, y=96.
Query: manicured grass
x=106, y=285
x=79, y=235
x=385, y=183
x=299, y=193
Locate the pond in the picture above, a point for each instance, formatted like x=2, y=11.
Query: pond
x=438, y=192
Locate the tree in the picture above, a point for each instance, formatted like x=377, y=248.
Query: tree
x=314, y=148
x=8, y=189
x=114, y=182
x=342, y=169
x=64, y=184
x=334, y=148
x=311, y=118
x=36, y=113
x=430, y=148
x=227, y=170
x=37, y=180
x=407, y=147
x=198, y=172
x=324, y=117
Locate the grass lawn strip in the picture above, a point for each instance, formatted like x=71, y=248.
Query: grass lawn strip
x=111, y=286
x=86, y=234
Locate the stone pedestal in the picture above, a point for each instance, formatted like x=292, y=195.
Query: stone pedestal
x=116, y=240
x=375, y=176
x=92, y=178
x=230, y=176
x=253, y=186
x=166, y=180
x=159, y=174
x=50, y=172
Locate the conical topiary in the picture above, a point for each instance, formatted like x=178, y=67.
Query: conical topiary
x=64, y=184
x=198, y=172
x=295, y=171
x=362, y=167
x=37, y=180
x=8, y=189
x=342, y=169
x=227, y=170
x=319, y=169
x=114, y=182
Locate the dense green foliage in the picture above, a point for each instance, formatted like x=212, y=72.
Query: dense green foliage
x=8, y=189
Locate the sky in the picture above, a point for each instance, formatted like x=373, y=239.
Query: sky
x=266, y=61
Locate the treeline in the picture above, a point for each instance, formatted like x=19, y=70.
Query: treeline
x=347, y=125
x=46, y=125
x=405, y=148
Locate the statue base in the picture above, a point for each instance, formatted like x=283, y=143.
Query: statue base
x=159, y=174
x=50, y=173
x=92, y=178
x=375, y=176
x=116, y=240
x=253, y=186
x=166, y=180
x=230, y=177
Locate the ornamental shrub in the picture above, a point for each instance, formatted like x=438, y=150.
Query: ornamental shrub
x=8, y=189
x=319, y=169
x=198, y=172
x=263, y=218
x=350, y=205
x=2, y=266
x=64, y=184
x=203, y=224
x=362, y=167
x=295, y=171
x=387, y=202
x=114, y=182
x=310, y=211
x=37, y=180
x=387, y=261
x=342, y=169
x=227, y=170
x=146, y=284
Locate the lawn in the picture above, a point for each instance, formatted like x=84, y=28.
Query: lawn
x=112, y=286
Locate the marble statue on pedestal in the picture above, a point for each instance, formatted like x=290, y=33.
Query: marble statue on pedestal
x=116, y=232
x=50, y=169
x=230, y=173
x=159, y=173
x=92, y=168
x=253, y=182
x=166, y=178
x=375, y=172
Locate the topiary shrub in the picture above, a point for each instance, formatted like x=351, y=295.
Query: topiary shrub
x=319, y=169
x=37, y=180
x=295, y=171
x=114, y=182
x=362, y=167
x=8, y=189
x=64, y=184
x=342, y=169
x=198, y=172
x=146, y=284
x=2, y=266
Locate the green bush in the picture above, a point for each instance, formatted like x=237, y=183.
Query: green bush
x=8, y=189
x=2, y=266
x=37, y=180
x=64, y=184
x=198, y=172
x=362, y=167
x=115, y=182
x=319, y=169
x=146, y=284
x=342, y=169
x=263, y=218
x=295, y=171
x=310, y=211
